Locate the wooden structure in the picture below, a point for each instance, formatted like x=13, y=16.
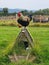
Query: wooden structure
x=25, y=36
x=23, y=45
x=40, y=18
x=7, y=18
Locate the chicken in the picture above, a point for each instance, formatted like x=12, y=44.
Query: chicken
x=23, y=20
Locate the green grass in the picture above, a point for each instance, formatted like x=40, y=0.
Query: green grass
x=40, y=35
x=7, y=37
x=41, y=41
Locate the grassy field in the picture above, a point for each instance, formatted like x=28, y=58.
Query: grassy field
x=40, y=35
x=14, y=23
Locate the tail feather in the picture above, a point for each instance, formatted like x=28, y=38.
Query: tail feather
x=30, y=16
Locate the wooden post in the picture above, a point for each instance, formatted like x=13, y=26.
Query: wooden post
x=40, y=18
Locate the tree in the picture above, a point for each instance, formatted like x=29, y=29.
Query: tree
x=25, y=12
x=5, y=11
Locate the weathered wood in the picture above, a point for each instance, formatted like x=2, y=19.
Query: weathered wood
x=23, y=36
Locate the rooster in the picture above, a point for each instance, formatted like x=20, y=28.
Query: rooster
x=23, y=20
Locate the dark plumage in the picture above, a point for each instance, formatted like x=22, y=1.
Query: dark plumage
x=24, y=21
